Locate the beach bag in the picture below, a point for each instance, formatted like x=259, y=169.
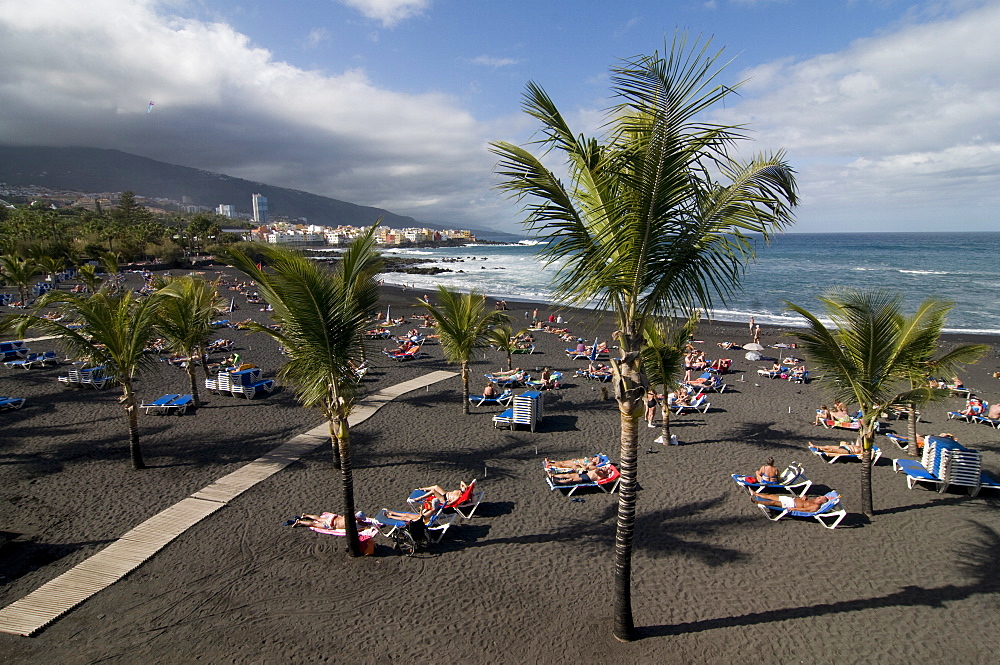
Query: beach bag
x=368, y=546
x=418, y=531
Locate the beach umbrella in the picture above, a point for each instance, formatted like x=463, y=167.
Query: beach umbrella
x=753, y=355
x=753, y=346
x=387, y=308
x=593, y=351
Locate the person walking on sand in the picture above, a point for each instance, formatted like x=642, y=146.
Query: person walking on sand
x=752, y=323
x=756, y=335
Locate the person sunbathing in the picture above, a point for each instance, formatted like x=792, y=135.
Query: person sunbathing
x=844, y=448
x=441, y=495
x=428, y=510
x=767, y=473
x=576, y=477
x=806, y=504
x=489, y=392
x=329, y=520
x=994, y=412
x=581, y=464
x=822, y=415
x=839, y=413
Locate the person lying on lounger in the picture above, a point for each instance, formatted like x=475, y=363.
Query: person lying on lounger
x=329, y=520
x=427, y=511
x=577, y=477
x=438, y=493
x=581, y=464
x=844, y=448
x=807, y=503
x=822, y=414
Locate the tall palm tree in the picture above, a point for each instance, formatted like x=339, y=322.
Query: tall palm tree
x=663, y=358
x=19, y=272
x=116, y=331
x=463, y=323
x=320, y=317
x=872, y=351
x=87, y=274
x=654, y=220
x=187, y=307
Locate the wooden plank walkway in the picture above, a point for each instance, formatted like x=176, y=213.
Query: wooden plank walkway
x=61, y=594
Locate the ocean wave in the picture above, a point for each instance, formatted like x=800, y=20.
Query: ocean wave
x=923, y=272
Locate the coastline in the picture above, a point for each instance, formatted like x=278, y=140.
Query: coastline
x=712, y=579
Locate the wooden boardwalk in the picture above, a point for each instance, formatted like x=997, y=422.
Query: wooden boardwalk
x=61, y=594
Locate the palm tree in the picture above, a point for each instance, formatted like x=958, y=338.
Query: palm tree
x=663, y=358
x=504, y=339
x=320, y=317
x=188, y=305
x=463, y=323
x=872, y=352
x=87, y=274
x=116, y=331
x=653, y=221
x=18, y=272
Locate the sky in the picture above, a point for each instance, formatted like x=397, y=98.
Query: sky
x=888, y=110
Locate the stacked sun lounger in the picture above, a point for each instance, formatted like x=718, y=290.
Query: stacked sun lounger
x=245, y=382
x=94, y=377
x=945, y=462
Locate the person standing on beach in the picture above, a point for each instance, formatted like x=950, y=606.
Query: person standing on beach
x=756, y=335
x=752, y=323
x=534, y=315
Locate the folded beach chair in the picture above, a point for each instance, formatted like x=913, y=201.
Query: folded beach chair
x=158, y=403
x=607, y=485
x=503, y=399
x=791, y=478
x=833, y=457
x=825, y=512
x=11, y=402
x=465, y=505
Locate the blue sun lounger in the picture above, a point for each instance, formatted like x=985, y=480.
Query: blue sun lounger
x=825, y=512
x=159, y=403
x=179, y=405
x=11, y=402
x=791, y=478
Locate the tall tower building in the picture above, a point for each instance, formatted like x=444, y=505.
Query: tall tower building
x=260, y=209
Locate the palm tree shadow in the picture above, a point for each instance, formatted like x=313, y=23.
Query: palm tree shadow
x=978, y=559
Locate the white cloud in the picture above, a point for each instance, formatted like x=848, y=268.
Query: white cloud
x=491, y=61
x=72, y=77
x=388, y=12
x=902, y=126
x=317, y=36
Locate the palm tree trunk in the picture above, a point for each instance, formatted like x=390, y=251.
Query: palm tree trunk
x=465, y=387
x=193, y=380
x=510, y=361
x=912, y=448
x=630, y=394
x=865, y=439
x=203, y=354
x=132, y=411
x=665, y=412
x=340, y=425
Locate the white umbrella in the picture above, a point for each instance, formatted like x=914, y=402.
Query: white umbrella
x=753, y=355
x=753, y=346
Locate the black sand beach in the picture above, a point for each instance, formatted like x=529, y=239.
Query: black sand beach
x=528, y=579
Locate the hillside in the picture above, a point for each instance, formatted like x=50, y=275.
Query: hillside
x=97, y=170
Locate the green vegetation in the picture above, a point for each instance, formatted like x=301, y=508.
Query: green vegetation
x=654, y=221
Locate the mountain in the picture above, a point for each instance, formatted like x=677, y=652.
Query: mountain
x=94, y=170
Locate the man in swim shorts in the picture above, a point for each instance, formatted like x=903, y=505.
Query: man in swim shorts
x=582, y=476
x=808, y=504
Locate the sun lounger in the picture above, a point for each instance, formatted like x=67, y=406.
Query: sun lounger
x=179, y=405
x=437, y=526
x=158, y=403
x=699, y=403
x=465, y=505
x=791, y=478
x=11, y=402
x=847, y=454
x=503, y=399
x=607, y=485
x=984, y=420
x=915, y=472
x=825, y=515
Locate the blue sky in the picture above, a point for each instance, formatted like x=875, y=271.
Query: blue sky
x=889, y=110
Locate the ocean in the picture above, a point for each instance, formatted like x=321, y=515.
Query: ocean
x=963, y=268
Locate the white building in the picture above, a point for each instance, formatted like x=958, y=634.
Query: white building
x=226, y=210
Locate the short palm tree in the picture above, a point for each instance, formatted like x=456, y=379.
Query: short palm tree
x=116, y=331
x=654, y=220
x=504, y=339
x=463, y=323
x=187, y=307
x=663, y=358
x=87, y=274
x=19, y=272
x=320, y=316
x=871, y=352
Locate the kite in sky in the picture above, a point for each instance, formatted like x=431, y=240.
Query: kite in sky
x=149, y=108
